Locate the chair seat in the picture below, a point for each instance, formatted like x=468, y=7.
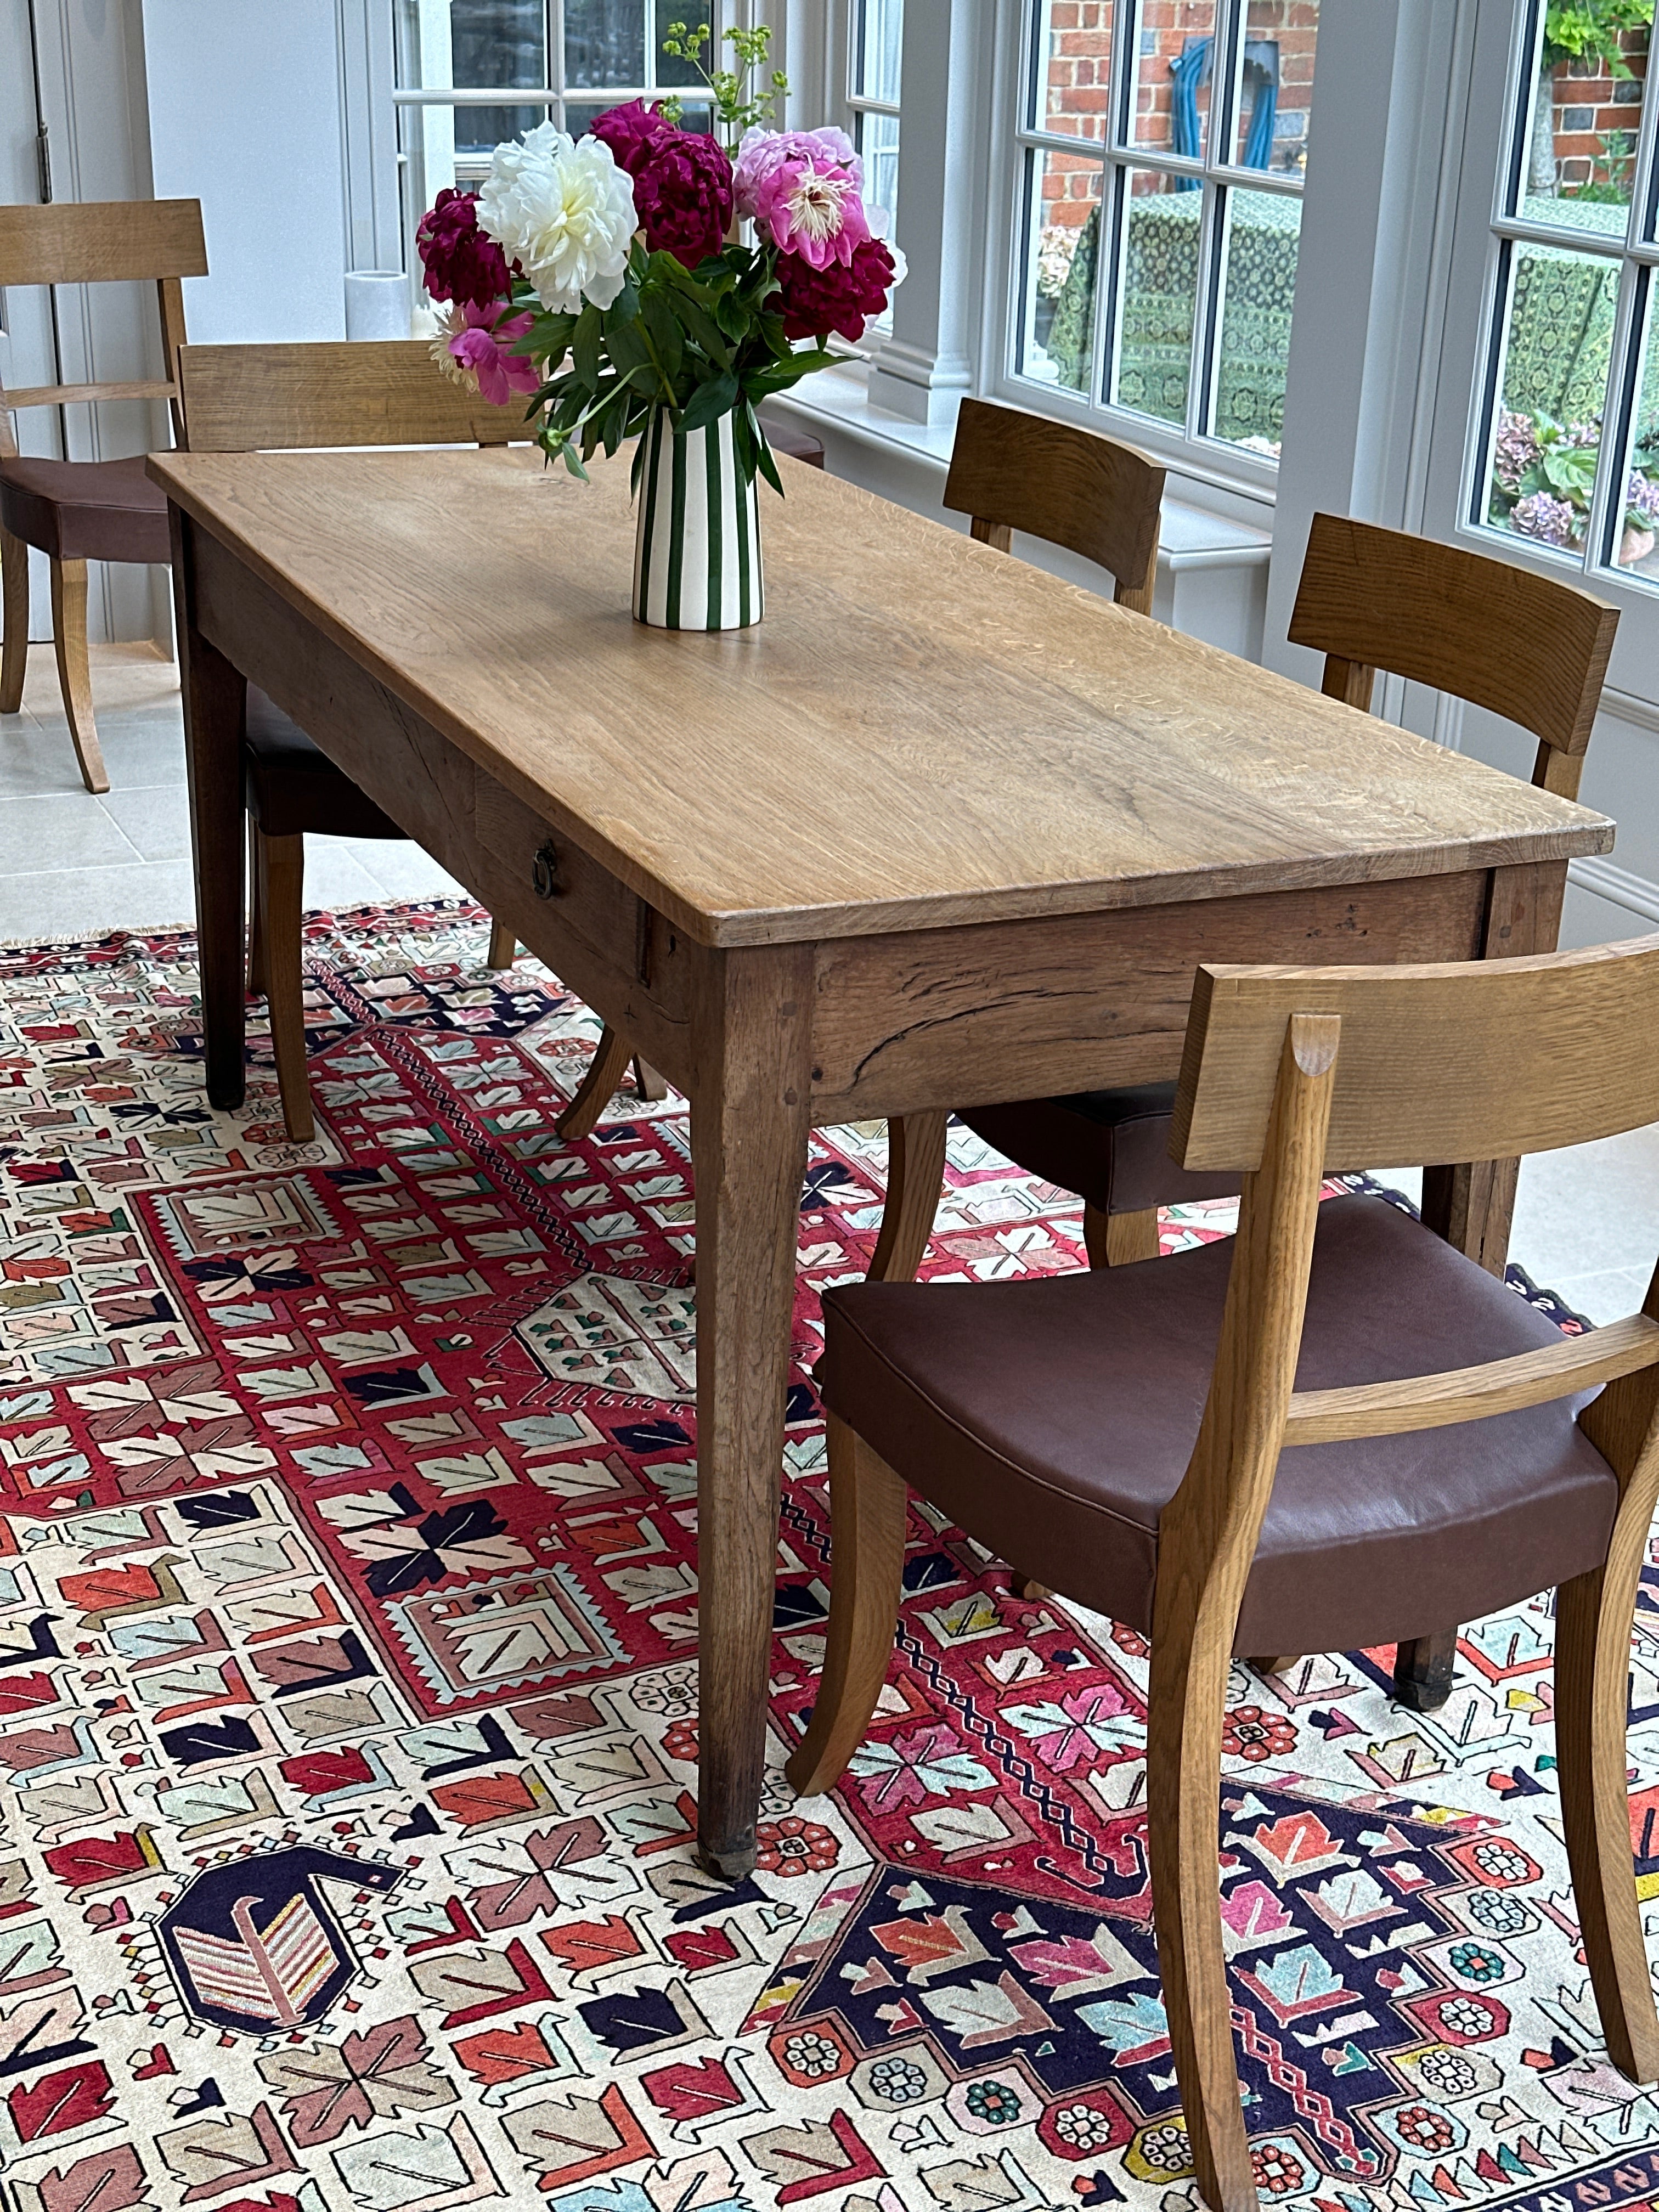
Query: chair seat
x=1112, y=1147
x=1056, y=1417
x=86, y=510
x=292, y=789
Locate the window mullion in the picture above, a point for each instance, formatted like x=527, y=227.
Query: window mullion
x=554, y=17
x=1623, y=374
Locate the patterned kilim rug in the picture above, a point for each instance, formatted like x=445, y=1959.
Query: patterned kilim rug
x=347, y=1705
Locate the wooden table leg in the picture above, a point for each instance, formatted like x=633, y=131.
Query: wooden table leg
x=749, y=1127
x=216, y=705
x=1472, y=1206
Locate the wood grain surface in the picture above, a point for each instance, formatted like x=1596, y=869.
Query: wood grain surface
x=921, y=733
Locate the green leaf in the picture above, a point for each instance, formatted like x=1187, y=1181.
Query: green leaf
x=665, y=333
x=585, y=345
x=624, y=306
x=710, y=402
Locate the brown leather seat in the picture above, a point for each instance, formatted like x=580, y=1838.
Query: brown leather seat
x=1112, y=1147
x=85, y=510
x=1092, y=1386
x=292, y=789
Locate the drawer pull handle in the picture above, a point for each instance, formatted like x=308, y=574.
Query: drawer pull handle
x=544, y=871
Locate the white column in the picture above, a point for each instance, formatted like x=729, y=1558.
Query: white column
x=922, y=370
x=1376, y=218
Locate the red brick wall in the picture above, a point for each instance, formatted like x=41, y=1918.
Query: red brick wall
x=1590, y=104
x=1078, y=84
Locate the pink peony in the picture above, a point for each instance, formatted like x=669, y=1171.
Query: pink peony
x=815, y=299
x=683, y=184
x=478, y=341
x=461, y=263
x=803, y=190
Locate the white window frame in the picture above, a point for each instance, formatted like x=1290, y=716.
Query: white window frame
x=1471, y=366
x=1192, y=449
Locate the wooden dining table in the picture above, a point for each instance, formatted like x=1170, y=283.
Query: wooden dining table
x=940, y=830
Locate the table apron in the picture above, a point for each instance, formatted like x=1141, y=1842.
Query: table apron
x=1070, y=1002
x=596, y=934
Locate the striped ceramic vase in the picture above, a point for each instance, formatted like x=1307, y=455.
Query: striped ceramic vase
x=697, y=551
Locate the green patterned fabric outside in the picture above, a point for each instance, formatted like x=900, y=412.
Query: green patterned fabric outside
x=1155, y=355
x=1560, y=340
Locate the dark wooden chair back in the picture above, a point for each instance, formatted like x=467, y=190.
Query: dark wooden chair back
x=240, y=399
x=102, y=242
x=1527, y=646
x=1010, y=471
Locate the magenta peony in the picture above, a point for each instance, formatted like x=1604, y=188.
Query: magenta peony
x=461, y=262
x=803, y=190
x=682, y=187
x=475, y=349
x=841, y=296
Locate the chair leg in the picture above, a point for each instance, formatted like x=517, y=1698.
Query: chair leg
x=1183, y=1802
x=1025, y=1586
x=652, y=1087
x=280, y=867
x=1423, y=1671
x=1118, y=1240
x=503, y=946
x=13, y=653
x=1592, y=1617
x=597, y=1089
x=68, y=631
x=1274, y=1666
x=915, y=1171
x=256, y=918
x=866, y=1568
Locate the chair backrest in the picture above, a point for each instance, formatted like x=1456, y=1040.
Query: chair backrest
x=1527, y=646
x=1290, y=1071
x=1010, y=471
x=242, y=398
x=102, y=242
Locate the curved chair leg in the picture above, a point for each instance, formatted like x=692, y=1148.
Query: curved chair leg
x=1592, y=1617
x=1183, y=1803
x=13, y=653
x=1274, y=1666
x=597, y=1088
x=68, y=631
x=867, y=1516
x=650, y=1086
x=1118, y=1240
x=281, y=865
x=1025, y=1586
x=503, y=946
x=1423, y=1671
x=915, y=1171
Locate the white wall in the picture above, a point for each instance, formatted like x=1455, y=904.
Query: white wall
x=245, y=116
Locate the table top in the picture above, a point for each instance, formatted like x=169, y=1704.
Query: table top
x=921, y=732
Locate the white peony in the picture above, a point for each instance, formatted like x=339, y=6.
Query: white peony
x=563, y=211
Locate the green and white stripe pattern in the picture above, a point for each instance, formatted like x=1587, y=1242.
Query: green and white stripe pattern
x=697, y=551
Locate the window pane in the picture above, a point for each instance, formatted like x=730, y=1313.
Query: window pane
x=498, y=42
x=1173, y=76
x=1160, y=296
x=1071, y=50
x=1062, y=249
x=1547, y=436
x=671, y=69
x=1634, y=546
x=578, y=115
x=1258, y=291
x=1276, y=92
x=879, y=37
x=1579, y=153
x=480, y=130
x=604, y=42
x=877, y=137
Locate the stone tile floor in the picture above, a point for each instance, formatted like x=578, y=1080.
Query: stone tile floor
x=1587, y=1223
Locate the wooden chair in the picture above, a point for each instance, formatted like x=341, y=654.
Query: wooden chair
x=1527, y=647
x=79, y=511
x=1439, y=1466
x=613, y=1055
x=273, y=398
x=1012, y=471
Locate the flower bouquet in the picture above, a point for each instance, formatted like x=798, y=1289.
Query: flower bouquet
x=605, y=278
